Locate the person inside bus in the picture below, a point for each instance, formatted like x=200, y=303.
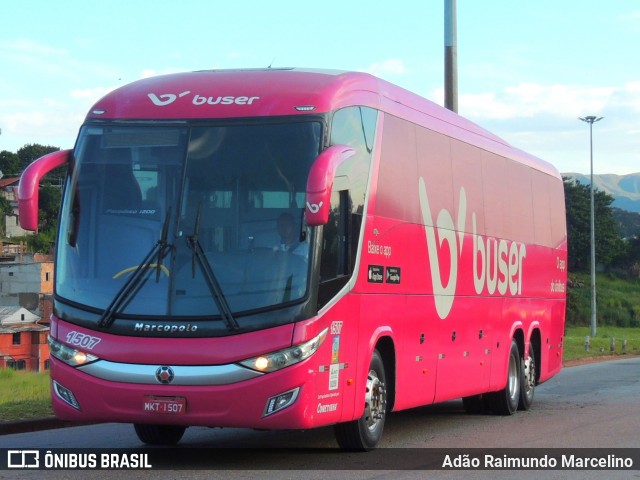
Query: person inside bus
x=123, y=195
x=290, y=239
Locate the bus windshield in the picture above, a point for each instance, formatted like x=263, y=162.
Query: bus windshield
x=189, y=221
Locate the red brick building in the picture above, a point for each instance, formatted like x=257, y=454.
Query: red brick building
x=26, y=291
x=23, y=340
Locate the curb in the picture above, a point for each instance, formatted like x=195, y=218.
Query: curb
x=36, y=425
x=597, y=359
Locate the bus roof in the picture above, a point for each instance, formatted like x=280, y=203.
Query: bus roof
x=210, y=94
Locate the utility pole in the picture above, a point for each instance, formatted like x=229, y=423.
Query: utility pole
x=450, y=56
x=591, y=120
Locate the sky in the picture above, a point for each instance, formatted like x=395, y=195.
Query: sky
x=526, y=70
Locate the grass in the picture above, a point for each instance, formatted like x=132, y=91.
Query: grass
x=24, y=395
x=618, y=315
x=574, y=340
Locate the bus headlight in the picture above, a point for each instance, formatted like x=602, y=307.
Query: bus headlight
x=68, y=355
x=271, y=362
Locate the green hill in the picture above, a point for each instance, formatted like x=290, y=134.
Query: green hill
x=625, y=189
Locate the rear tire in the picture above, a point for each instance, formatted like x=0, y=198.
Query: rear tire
x=365, y=433
x=528, y=380
x=159, y=434
x=505, y=401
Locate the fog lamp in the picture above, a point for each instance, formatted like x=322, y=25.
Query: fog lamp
x=283, y=400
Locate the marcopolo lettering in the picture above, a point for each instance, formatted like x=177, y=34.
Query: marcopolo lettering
x=164, y=328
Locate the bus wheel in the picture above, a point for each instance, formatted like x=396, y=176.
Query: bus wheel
x=505, y=401
x=365, y=433
x=159, y=434
x=528, y=380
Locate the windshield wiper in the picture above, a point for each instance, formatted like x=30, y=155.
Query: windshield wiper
x=209, y=275
x=133, y=284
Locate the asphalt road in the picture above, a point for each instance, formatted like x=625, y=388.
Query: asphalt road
x=589, y=406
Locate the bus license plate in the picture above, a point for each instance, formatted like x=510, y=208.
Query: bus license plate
x=166, y=405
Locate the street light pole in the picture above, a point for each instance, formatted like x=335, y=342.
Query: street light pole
x=591, y=120
x=450, y=56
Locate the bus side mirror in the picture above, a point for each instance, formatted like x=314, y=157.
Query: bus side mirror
x=320, y=183
x=30, y=182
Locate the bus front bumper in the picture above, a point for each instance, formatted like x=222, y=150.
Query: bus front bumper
x=275, y=400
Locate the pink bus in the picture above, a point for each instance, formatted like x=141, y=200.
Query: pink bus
x=287, y=249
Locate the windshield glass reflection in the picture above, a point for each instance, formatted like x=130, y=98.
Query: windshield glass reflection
x=238, y=190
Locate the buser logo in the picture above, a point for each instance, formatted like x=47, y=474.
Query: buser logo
x=443, y=294
x=496, y=263
x=168, y=98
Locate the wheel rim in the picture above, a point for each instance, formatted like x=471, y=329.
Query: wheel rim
x=375, y=401
x=529, y=376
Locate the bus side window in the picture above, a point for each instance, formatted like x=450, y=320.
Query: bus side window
x=335, y=261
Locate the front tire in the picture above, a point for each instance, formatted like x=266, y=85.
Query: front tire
x=159, y=434
x=505, y=401
x=365, y=433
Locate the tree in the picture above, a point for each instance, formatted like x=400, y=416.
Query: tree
x=33, y=151
x=5, y=209
x=628, y=223
x=10, y=164
x=609, y=246
x=49, y=205
x=43, y=242
x=633, y=256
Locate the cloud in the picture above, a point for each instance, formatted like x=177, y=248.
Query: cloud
x=543, y=120
x=47, y=125
x=627, y=97
x=150, y=72
x=391, y=66
x=37, y=57
x=527, y=100
x=24, y=47
x=632, y=18
x=91, y=94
